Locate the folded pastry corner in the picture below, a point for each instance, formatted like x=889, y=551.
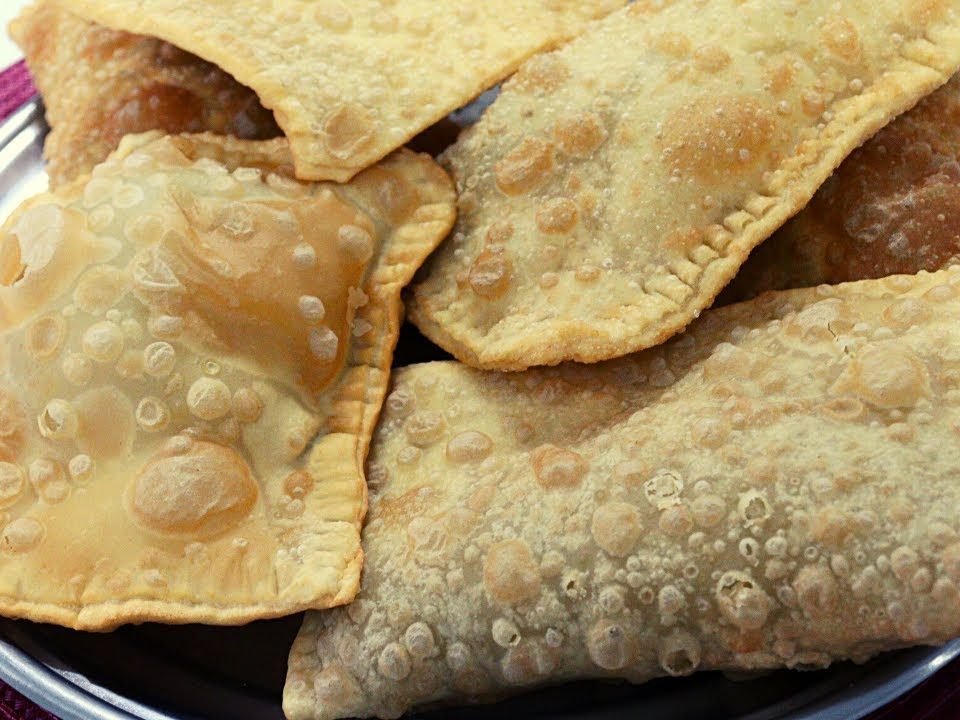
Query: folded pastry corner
x=100, y=84
x=767, y=490
x=351, y=82
x=616, y=185
x=891, y=208
x=195, y=348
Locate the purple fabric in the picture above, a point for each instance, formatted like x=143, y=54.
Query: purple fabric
x=14, y=706
x=16, y=87
x=936, y=699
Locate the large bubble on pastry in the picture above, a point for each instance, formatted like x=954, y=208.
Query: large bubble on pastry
x=195, y=349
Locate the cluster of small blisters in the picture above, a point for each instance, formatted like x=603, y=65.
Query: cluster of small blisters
x=631, y=521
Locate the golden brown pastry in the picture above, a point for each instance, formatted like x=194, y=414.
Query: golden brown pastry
x=892, y=207
x=769, y=489
x=99, y=85
x=350, y=82
x=195, y=349
x=616, y=185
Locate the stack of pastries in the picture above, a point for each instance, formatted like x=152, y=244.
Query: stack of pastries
x=652, y=455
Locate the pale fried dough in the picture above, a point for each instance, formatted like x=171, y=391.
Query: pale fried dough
x=616, y=185
x=196, y=347
x=892, y=207
x=351, y=81
x=99, y=85
x=768, y=490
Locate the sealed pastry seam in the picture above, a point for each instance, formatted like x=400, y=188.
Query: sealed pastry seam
x=320, y=450
x=671, y=298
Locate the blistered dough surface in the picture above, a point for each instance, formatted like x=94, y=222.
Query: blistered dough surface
x=350, y=81
x=195, y=347
x=616, y=185
x=891, y=207
x=770, y=489
x=100, y=84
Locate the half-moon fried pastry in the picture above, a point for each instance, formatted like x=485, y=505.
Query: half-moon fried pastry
x=195, y=348
x=351, y=81
x=892, y=207
x=769, y=489
x=616, y=185
x=100, y=84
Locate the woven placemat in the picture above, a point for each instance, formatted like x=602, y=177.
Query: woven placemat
x=16, y=88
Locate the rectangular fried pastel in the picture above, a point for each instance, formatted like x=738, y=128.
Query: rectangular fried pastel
x=195, y=349
x=616, y=185
x=892, y=207
x=350, y=82
x=100, y=84
x=772, y=488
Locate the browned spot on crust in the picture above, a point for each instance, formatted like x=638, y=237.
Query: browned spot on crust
x=580, y=135
x=400, y=509
x=841, y=38
x=542, y=73
x=347, y=130
x=557, y=215
x=673, y=44
x=780, y=76
x=685, y=239
x=711, y=138
x=525, y=167
x=923, y=12
x=711, y=58
x=13, y=425
x=557, y=467
x=813, y=102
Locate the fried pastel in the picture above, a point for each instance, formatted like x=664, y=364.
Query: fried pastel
x=616, y=185
x=350, y=82
x=767, y=490
x=195, y=350
x=892, y=207
x=99, y=85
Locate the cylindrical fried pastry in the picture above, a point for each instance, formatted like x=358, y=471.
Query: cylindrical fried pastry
x=773, y=488
x=100, y=84
x=892, y=207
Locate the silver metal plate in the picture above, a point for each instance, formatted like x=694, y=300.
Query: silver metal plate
x=153, y=672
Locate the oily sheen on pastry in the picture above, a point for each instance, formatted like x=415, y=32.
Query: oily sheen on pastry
x=196, y=347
